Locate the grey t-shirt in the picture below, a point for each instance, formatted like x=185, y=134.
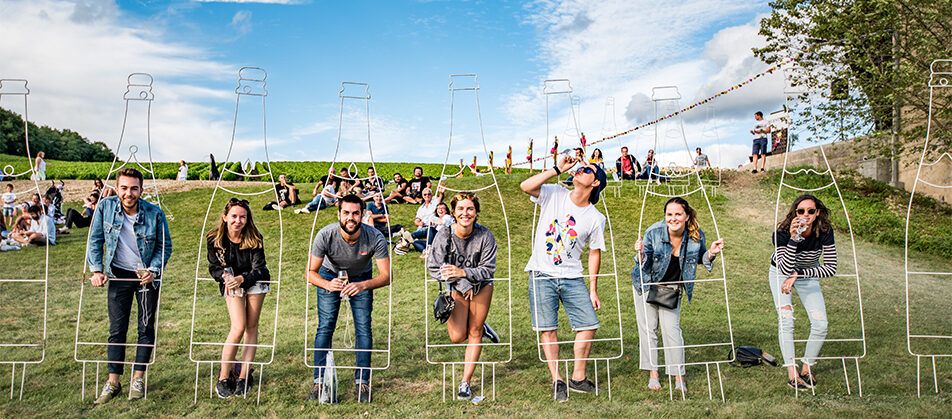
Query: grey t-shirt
x=354, y=258
x=476, y=255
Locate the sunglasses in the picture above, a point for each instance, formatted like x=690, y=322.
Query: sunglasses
x=584, y=169
x=465, y=195
x=236, y=201
x=810, y=211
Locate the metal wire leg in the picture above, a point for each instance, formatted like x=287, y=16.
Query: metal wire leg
x=720, y=382
x=859, y=378
x=197, y=366
x=846, y=377
x=918, y=376
x=935, y=376
x=83, y=384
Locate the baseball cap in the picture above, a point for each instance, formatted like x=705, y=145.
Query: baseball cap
x=602, y=182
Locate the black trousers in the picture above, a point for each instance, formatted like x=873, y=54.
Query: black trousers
x=120, y=295
x=73, y=217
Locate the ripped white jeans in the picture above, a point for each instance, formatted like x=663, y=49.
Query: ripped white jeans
x=808, y=289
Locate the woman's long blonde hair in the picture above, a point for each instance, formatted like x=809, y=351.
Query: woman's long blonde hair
x=692, y=227
x=250, y=236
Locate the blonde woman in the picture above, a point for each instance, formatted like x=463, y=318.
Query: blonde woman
x=236, y=260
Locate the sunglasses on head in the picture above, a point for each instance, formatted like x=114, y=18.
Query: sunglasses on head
x=810, y=211
x=235, y=201
x=465, y=195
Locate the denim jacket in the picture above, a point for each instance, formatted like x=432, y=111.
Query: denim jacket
x=658, y=255
x=150, y=227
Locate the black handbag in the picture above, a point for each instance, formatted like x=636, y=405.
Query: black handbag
x=443, y=305
x=749, y=356
x=667, y=296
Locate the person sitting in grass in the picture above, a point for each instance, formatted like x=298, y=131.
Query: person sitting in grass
x=372, y=185
x=567, y=221
x=464, y=256
x=802, y=238
x=340, y=266
x=399, y=193
x=129, y=246
x=42, y=230
x=78, y=220
x=425, y=221
x=347, y=182
x=668, y=257
x=419, y=182
x=286, y=193
x=328, y=196
x=236, y=261
x=441, y=220
x=378, y=216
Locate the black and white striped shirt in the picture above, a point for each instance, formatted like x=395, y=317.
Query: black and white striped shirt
x=803, y=257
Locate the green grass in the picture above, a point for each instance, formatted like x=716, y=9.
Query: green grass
x=411, y=386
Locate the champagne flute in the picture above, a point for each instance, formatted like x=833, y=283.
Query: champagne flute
x=342, y=275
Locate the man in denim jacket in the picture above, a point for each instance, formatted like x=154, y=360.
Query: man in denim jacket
x=129, y=245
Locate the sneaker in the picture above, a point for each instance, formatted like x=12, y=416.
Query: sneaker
x=583, y=386
x=223, y=389
x=763, y=170
x=559, y=391
x=424, y=253
x=274, y=206
x=363, y=393
x=753, y=171
x=241, y=386
x=109, y=391
x=315, y=394
x=235, y=373
x=406, y=236
x=490, y=334
x=402, y=247
x=138, y=389
x=464, y=391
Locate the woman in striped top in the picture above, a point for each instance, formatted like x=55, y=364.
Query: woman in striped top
x=803, y=238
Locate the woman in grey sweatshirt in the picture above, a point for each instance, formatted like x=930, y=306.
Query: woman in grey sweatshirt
x=464, y=257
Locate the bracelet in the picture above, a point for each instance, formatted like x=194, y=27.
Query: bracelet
x=557, y=171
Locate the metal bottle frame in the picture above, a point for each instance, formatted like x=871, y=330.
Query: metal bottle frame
x=9, y=171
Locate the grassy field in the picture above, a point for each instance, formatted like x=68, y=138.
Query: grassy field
x=744, y=211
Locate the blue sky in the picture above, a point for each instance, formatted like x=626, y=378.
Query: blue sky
x=406, y=50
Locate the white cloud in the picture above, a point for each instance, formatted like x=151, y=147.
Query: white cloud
x=241, y=22
x=77, y=57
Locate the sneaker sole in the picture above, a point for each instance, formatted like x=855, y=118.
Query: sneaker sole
x=581, y=391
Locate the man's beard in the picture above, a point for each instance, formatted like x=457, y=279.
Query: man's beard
x=343, y=226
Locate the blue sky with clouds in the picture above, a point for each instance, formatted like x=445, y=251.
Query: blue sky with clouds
x=77, y=55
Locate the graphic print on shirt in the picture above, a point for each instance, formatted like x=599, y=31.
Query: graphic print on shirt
x=559, y=238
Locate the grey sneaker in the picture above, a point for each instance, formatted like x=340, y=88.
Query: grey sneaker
x=109, y=391
x=560, y=392
x=138, y=389
x=223, y=389
x=464, y=391
x=406, y=236
x=490, y=334
x=363, y=393
x=583, y=386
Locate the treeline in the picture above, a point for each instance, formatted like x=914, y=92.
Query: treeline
x=56, y=144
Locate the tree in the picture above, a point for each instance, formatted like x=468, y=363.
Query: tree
x=867, y=63
x=56, y=144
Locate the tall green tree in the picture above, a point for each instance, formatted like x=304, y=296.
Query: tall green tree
x=866, y=63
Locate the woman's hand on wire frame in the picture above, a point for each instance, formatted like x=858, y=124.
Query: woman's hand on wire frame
x=787, y=285
x=640, y=248
x=716, y=247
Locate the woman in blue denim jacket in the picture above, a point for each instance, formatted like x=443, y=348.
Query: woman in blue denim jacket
x=680, y=240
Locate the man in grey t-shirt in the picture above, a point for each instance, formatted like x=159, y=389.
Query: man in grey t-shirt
x=349, y=247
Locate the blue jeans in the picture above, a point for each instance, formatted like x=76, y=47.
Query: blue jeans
x=574, y=296
x=316, y=203
x=654, y=170
x=420, y=244
x=808, y=289
x=328, y=307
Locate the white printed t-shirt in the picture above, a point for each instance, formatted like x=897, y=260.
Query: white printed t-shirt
x=760, y=125
x=562, y=232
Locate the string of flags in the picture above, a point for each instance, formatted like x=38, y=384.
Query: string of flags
x=738, y=86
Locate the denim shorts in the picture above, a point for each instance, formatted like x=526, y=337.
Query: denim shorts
x=549, y=291
x=476, y=288
x=258, y=288
x=760, y=146
x=9, y=211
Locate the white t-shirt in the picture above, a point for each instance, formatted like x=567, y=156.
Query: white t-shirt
x=9, y=199
x=562, y=233
x=427, y=213
x=760, y=125
x=45, y=226
x=182, y=173
x=127, y=251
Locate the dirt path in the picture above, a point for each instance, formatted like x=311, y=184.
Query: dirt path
x=76, y=190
